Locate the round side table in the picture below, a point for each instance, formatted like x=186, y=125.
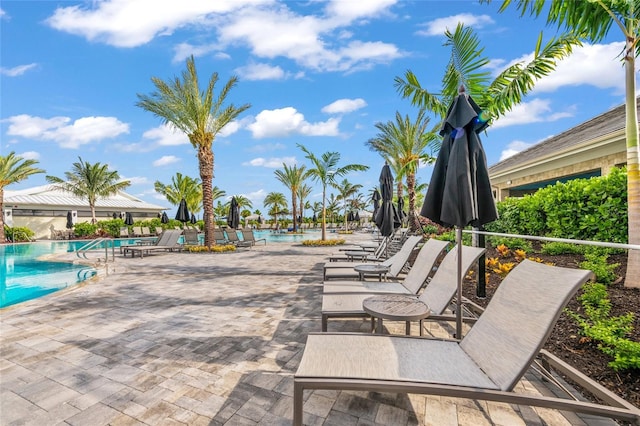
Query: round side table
x=396, y=307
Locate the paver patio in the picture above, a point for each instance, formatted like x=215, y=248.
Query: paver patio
x=201, y=339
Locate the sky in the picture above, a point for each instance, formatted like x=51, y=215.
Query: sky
x=316, y=73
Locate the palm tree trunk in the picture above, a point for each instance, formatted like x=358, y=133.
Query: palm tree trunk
x=3, y=237
x=633, y=174
x=414, y=223
x=294, y=201
x=205, y=162
x=324, y=214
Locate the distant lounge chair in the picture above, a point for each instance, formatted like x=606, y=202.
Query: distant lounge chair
x=232, y=237
x=137, y=231
x=168, y=241
x=248, y=235
x=345, y=270
x=219, y=237
x=159, y=230
x=485, y=365
x=146, y=232
x=124, y=232
x=344, y=300
x=191, y=237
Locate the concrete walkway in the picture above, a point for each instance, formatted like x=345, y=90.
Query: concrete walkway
x=200, y=339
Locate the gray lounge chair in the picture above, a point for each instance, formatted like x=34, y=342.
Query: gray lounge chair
x=485, y=365
x=219, y=237
x=248, y=235
x=377, y=255
x=191, y=237
x=342, y=270
x=168, y=241
x=345, y=300
x=232, y=237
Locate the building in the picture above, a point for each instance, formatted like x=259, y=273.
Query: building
x=589, y=149
x=43, y=209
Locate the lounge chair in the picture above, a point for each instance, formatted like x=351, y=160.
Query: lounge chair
x=124, y=232
x=377, y=255
x=137, y=231
x=168, y=241
x=191, y=237
x=219, y=237
x=146, y=232
x=485, y=365
x=232, y=237
x=248, y=235
x=344, y=300
x=342, y=270
x=158, y=230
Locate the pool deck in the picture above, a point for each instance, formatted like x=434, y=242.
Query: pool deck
x=203, y=339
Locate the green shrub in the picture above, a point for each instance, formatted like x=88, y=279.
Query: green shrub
x=555, y=248
x=85, y=229
x=18, y=234
x=512, y=243
x=609, y=332
x=597, y=262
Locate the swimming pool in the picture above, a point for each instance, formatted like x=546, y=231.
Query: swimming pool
x=24, y=277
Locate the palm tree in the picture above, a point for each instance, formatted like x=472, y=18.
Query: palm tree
x=277, y=201
x=182, y=187
x=346, y=190
x=183, y=105
x=325, y=170
x=13, y=169
x=593, y=20
x=243, y=202
x=402, y=144
x=332, y=206
x=90, y=181
x=292, y=177
x=304, y=191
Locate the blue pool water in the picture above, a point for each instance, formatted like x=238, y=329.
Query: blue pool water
x=23, y=277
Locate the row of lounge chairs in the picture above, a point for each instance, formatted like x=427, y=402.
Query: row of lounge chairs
x=504, y=341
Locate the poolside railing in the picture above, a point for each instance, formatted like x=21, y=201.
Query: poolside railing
x=94, y=244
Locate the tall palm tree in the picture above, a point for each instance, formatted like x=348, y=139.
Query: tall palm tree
x=13, y=169
x=275, y=202
x=182, y=187
x=182, y=104
x=90, y=181
x=304, y=191
x=325, y=170
x=346, y=190
x=593, y=20
x=292, y=177
x=242, y=201
x=403, y=144
x=332, y=206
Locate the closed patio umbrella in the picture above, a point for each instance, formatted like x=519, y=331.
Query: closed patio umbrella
x=114, y=215
x=128, y=219
x=376, y=201
x=183, y=212
x=164, y=218
x=69, y=220
x=193, y=219
x=386, y=217
x=233, y=218
x=459, y=193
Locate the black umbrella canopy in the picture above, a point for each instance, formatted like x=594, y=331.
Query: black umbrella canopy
x=114, y=215
x=314, y=218
x=128, y=219
x=183, y=213
x=356, y=216
x=164, y=218
x=376, y=201
x=386, y=217
x=69, y=220
x=193, y=219
x=233, y=218
x=350, y=217
x=459, y=193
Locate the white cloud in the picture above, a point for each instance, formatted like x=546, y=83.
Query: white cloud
x=136, y=180
x=164, y=135
x=3, y=14
x=165, y=160
x=513, y=148
x=64, y=132
x=256, y=197
x=437, y=27
x=184, y=50
x=231, y=128
x=535, y=111
x=261, y=72
x=287, y=121
x=351, y=10
x=272, y=163
x=266, y=147
x=118, y=23
x=342, y=106
x=29, y=155
x=16, y=71
x=592, y=65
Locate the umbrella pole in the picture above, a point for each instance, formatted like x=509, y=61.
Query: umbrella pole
x=459, y=276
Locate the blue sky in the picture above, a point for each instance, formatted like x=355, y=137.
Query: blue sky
x=317, y=73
